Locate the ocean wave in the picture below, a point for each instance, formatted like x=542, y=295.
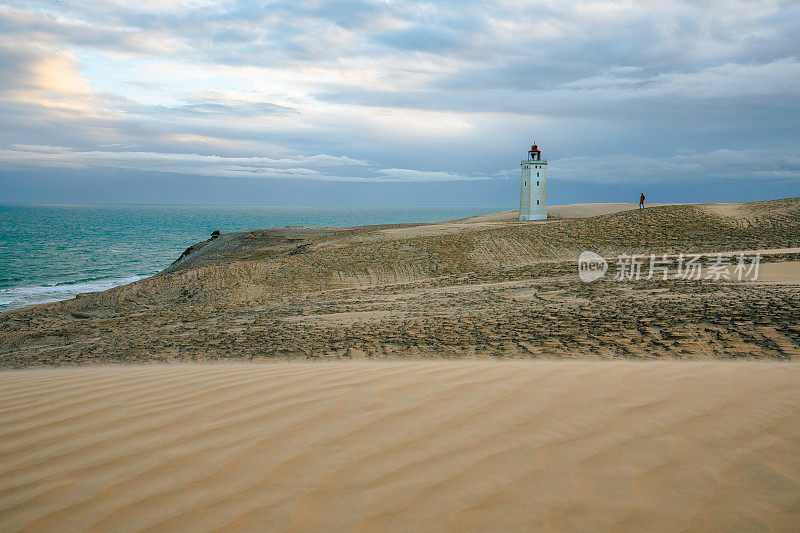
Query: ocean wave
x=89, y=280
x=17, y=297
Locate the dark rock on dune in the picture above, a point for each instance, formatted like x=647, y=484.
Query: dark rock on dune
x=302, y=249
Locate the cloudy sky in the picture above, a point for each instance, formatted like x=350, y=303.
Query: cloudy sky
x=396, y=102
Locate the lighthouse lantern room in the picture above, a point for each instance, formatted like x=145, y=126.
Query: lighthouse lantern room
x=533, y=192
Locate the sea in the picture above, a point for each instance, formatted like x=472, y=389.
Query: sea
x=53, y=252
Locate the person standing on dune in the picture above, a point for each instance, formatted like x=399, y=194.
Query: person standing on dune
x=641, y=201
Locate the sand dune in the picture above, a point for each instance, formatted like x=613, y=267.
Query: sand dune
x=417, y=445
x=481, y=287
x=454, y=227
x=566, y=211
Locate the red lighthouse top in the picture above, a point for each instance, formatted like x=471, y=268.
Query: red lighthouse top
x=534, y=154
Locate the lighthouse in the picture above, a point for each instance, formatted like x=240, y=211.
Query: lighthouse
x=533, y=191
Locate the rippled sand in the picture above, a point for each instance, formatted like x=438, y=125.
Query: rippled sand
x=422, y=445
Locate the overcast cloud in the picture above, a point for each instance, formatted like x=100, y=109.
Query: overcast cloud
x=363, y=91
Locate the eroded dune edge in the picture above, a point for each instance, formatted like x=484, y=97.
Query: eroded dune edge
x=418, y=445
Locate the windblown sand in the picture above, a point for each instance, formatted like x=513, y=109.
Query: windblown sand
x=412, y=445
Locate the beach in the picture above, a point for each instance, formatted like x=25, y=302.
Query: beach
x=480, y=287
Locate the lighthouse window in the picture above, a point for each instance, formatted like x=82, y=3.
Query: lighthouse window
x=537, y=174
x=537, y=202
x=537, y=183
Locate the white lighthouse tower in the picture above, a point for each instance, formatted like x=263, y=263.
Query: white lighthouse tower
x=533, y=193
